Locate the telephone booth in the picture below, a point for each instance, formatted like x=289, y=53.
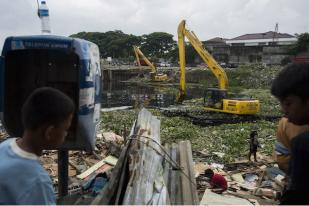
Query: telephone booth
x=69, y=64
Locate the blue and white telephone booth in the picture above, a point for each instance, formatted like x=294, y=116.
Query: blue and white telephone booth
x=69, y=64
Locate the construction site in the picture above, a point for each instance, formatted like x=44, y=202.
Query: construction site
x=151, y=118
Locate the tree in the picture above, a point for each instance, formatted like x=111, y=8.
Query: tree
x=301, y=44
x=157, y=44
x=115, y=44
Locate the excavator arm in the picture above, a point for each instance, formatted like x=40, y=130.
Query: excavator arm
x=138, y=53
x=137, y=56
x=212, y=64
x=217, y=98
x=182, y=62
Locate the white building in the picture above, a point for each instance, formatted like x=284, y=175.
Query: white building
x=262, y=39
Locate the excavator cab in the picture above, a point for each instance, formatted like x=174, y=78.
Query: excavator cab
x=214, y=97
x=158, y=77
x=217, y=100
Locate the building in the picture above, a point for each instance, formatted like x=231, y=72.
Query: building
x=218, y=49
x=262, y=39
x=267, y=48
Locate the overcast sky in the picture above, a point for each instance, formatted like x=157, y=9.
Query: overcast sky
x=207, y=18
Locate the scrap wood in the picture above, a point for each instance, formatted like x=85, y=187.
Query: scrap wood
x=172, y=174
x=108, y=160
x=146, y=184
x=188, y=182
x=179, y=175
x=110, y=195
x=139, y=176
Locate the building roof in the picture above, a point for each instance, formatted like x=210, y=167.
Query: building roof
x=266, y=35
x=216, y=40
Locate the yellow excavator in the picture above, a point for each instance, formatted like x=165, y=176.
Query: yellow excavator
x=154, y=75
x=215, y=99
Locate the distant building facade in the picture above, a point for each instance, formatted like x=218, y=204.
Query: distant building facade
x=267, y=48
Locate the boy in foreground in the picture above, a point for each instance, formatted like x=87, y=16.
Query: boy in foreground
x=291, y=88
x=46, y=116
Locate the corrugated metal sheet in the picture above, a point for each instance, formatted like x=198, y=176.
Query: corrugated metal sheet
x=147, y=173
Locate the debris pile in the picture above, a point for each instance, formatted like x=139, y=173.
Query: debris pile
x=256, y=182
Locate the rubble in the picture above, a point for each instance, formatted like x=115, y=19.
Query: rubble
x=257, y=183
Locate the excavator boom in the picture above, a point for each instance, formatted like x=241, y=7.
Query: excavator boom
x=137, y=56
x=138, y=53
x=216, y=69
x=155, y=76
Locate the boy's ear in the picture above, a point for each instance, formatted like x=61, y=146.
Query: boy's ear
x=48, y=132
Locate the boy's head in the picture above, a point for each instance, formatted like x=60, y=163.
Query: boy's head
x=291, y=88
x=49, y=112
x=209, y=173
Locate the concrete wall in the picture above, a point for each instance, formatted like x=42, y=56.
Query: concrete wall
x=252, y=54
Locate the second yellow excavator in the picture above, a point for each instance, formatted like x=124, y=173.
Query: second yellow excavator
x=154, y=75
x=216, y=99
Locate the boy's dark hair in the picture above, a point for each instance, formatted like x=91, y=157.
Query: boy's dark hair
x=209, y=173
x=46, y=106
x=292, y=80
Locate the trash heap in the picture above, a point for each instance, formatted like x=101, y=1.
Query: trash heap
x=249, y=183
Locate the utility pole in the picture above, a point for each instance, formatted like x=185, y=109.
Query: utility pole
x=275, y=35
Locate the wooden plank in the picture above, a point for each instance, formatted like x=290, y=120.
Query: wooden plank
x=188, y=183
x=146, y=184
x=176, y=194
x=167, y=172
x=108, y=160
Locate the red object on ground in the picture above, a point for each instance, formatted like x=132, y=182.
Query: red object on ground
x=218, y=181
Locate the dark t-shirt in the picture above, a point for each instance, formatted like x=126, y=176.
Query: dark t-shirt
x=297, y=192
